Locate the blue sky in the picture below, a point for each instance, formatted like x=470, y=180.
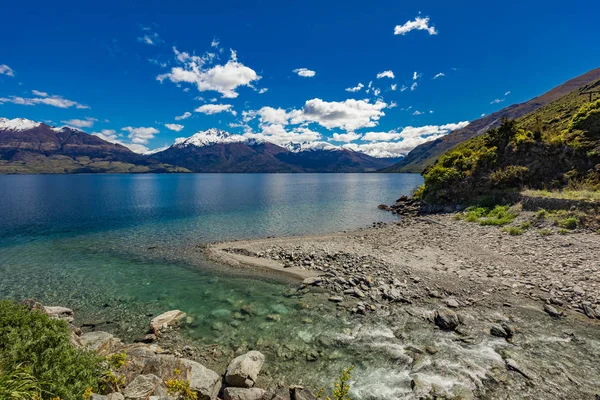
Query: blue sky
x=279, y=70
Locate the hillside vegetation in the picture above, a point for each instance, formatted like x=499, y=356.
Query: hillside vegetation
x=554, y=147
x=425, y=155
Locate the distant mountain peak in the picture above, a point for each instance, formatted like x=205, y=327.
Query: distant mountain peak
x=18, y=124
x=209, y=137
x=296, y=147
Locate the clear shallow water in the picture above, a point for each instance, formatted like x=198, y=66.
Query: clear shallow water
x=82, y=241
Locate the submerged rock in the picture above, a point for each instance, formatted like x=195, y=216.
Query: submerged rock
x=64, y=313
x=553, y=312
x=243, y=370
x=166, y=320
x=446, y=319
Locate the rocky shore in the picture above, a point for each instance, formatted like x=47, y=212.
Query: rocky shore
x=148, y=371
x=475, y=284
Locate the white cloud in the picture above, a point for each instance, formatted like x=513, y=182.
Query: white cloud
x=141, y=135
x=482, y=115
x=417, y=112
x=385, y=74
x=55, y=101
x=416, y=75
x=413, y=86
x=6, y=70
x=224, y=79
x=185, y=115
x=419, y=24
x=80, y=123
x=262, y=91
x=496, y=101
x=393, y=86
x=305, y=72
x=214, y=43
x=150, y=38
x=349, y=115
x=507, y=93
x=376, y=92
x=395, y=144
x=278, y=134
x=211, y=109
x=355, y=88
x=270, y=115
x=174, y=127
x=403, y=88
x=110, y=135
x=346, y=137
x=40, y=94
x=439, y=75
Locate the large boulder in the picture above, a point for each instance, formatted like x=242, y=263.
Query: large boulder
x=243, y=370
x=64, y=313
x=166, y=320
x=102, y=343
x=233, y=393
x=202, y=380
x=446, y=319
x=145, y=386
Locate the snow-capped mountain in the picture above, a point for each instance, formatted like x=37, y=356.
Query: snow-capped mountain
x=17, y=124
x=209, y=137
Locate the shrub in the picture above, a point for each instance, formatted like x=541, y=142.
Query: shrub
x=31, y=342
x=513, y=230
x=569, y=223
x=19, y=384
x=545, y=232
x=510, y=176
x=342, y=388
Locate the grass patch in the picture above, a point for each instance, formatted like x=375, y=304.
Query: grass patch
x=513, y=230
x=497, y=216
x=35, y=352
x=590, y=195
x=545, y=232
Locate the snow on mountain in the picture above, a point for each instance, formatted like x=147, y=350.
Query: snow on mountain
x=309, y=146
x=17, y=124
x=209, y=137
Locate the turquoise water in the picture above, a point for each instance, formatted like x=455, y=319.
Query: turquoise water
x=83, y=241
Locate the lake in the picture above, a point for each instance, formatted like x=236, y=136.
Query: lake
x=82, y=241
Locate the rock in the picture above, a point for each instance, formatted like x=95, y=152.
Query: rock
x=98, y=397
x=513, y=366
x=384, y=207
x=553, y=312
x=303, y=394
x=282, y=394
x=452, y=303
x=117, y=396
x=446, y=319
x=420, y=387
x=499, y=331
x=589, y=311
x=102, y=343
x=202, y=380
x=64, y=313
x=143, y=386
x=243, y=370
x=336, y=299
x=234, y=393
x=312, y=281
x=166, y=320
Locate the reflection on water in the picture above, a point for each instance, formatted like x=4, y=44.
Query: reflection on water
x=81, y=241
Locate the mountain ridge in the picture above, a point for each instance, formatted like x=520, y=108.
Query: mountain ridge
x=424, y=155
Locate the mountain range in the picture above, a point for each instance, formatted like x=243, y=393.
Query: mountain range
x=427, y=153
x=33, y=147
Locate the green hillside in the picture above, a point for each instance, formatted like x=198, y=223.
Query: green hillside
x=555, y=147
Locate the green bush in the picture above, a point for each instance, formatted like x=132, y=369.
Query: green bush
x=497, y=216
x=19, y=384
x=33, y=343
x=513, y=230
x=587, y=119
x=569, y=223
x=510, y=176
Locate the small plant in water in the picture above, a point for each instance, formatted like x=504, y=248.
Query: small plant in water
x=342, y=388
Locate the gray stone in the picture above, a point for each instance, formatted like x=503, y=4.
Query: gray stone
x=499, y=331
x=446, y=319
x=589, y=311
x=204, y=381
x=312, y=281
x=243, y=370
x=102, y=343
x=303, y=394
x=98, y=397
x=166, y=320
x=234, y=393
x=336, y=299
x=282, y=394
x=117, y=396
x=553, y=312
x=513, y=366
x=63, y=313
x=452, y=303
x=144, y=386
